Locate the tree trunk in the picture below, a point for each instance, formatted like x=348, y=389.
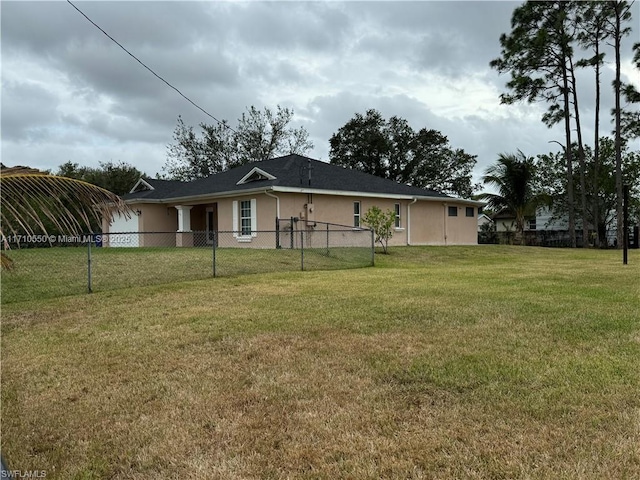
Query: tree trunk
x=568, y=156
x=596, y=150
x=618, y=133
x=582, y=166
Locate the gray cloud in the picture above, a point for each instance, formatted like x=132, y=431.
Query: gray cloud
x=27, y=109
x=69, y=93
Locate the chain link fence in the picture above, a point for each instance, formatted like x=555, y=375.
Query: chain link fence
x=58, y=265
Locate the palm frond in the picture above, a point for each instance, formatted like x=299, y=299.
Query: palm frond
x=31, y=199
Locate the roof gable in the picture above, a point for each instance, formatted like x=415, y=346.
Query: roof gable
x=141, y=186
x=255, y=175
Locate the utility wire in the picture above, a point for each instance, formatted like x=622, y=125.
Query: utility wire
x=148, y=68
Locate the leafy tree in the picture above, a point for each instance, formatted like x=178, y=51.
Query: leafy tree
x=437, y=166
x=601, y=212
x=192, y=157
x=118, y=177
x=364, y=143
x=621, y=14
x=382, y=225
x=592, y=20
x=392, y=149
x=538, y=54
x=259, y=135
x=631, y=118
x=514, y=178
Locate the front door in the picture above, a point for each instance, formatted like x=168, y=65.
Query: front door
x=212, y=224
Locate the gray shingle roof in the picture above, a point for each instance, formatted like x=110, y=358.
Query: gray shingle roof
x=291, y=171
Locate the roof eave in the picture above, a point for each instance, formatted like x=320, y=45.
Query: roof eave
x=196, y=198
x=304, y=190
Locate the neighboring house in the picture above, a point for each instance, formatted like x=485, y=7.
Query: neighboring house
x=248, y=199
x=484, y=219
x=543, y=229
x=543, y=220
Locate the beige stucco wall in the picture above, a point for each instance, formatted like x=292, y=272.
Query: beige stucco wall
x=432, y=225
x=462, y=230
x=427, y=223
x=157, y=217
x=338, y=210
x=430, y=222
x=265, y=212
x=160, y=219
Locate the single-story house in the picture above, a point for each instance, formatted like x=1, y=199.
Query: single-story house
x=248, y=199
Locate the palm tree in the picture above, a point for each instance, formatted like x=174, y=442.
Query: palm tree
x=513, y=177
x=31, y=200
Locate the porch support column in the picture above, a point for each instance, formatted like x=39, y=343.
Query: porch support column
x=184, y=235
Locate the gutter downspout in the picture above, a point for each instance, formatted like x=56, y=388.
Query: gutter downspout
x=445, y=213
x=409, y=221
x=266, y=192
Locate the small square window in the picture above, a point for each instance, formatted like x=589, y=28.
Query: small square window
x=453, y=211
x=470, y=212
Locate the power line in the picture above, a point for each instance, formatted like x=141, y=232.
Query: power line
x=148, y=68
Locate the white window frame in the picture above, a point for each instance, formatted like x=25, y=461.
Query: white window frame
x=398, y=220
x=356, y=215
x=237, y=220
x=245, y=218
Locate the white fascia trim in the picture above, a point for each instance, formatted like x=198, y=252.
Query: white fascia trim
x=396, y=196
x=253, y=171
x=139, y=182
x=197, y=199
x=343, y=193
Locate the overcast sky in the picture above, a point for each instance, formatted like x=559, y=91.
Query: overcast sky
x=71, y=94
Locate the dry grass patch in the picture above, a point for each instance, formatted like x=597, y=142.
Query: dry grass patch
x=440, y=363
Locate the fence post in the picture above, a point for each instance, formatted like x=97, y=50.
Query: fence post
x=291, y=233
x=373, y=249
x=302, y=249
x=278, y=233
x=215, y=240
x=89, y=289
x=327, y=239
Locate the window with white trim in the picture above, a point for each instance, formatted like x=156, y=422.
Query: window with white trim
x=356, y=214
x=244, y=219
x=397, y=211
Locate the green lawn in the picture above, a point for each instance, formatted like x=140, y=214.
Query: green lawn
x=440, y=362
